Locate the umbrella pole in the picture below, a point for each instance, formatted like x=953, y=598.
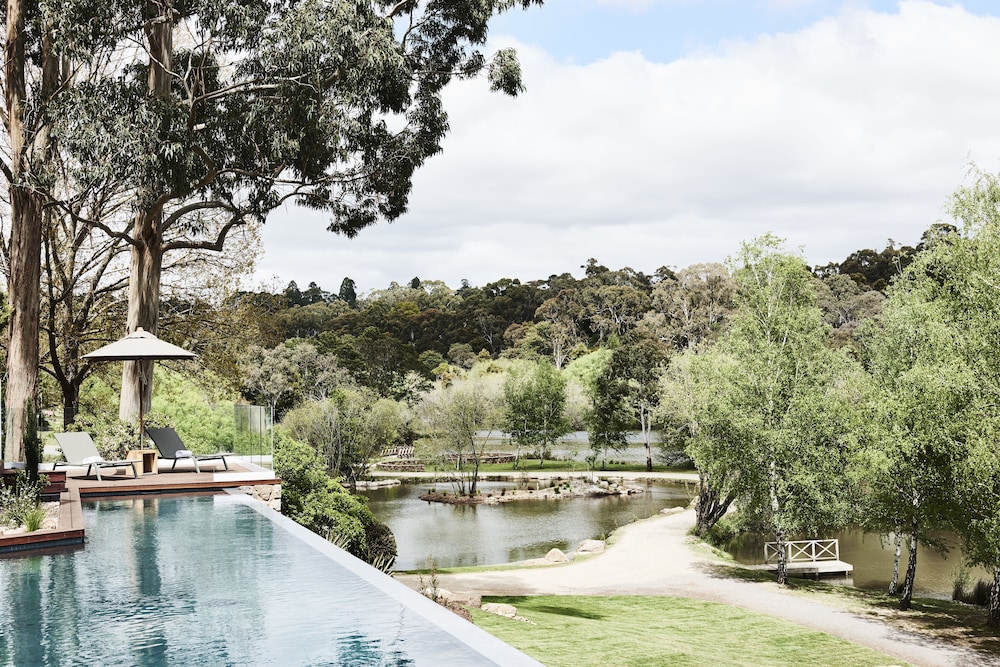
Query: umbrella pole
x=142, y=393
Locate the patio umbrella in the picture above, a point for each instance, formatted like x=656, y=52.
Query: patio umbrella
x=140, y=346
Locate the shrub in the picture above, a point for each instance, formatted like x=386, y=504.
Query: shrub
x=114, y=437
x=959, y=583
x=721, y=534
x=312, y=498
x=20, y=499
x=981, y=593
x=34, y=518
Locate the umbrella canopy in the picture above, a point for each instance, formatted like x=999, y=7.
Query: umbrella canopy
x=139, y=346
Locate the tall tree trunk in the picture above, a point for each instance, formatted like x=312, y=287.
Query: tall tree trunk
x=894, y=582
x=710, y=508
x=143, y=312
x=993, y=613
x=780, y=541
x=906, y=596
x=779, y=532
x=147, y=251
x=71, y=401
x=22, y=351
x=645, y=422
x=25, y=244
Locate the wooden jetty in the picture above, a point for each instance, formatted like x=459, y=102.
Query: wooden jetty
x=813, y=558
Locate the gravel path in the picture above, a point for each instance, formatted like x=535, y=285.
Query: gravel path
x=655, y=557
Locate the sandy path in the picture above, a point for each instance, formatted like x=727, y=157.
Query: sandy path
x=655, y=557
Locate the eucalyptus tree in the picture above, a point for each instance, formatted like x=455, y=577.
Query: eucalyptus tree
x=626, y=394
x=209, y=107
x=613, y=309
x=639, y=362
x=33, y=73
x=691, y=305
x=559, y=317
x=84, y=276
x=772, y=402
x=608, y=419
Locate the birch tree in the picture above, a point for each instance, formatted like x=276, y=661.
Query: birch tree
x=958, y=274
x=770, y=403
x=534, y=409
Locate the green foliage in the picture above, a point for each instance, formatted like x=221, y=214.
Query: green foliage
x=348, y=428
x=721, y=533
x=460, y=419
x=770, y=406
x=20, y=501
x=310, y=497
x=534, y=408
x=198, y=407
x=609, y=418
x=114, y=437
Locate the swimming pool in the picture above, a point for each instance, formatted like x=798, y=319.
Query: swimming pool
x=220, y=580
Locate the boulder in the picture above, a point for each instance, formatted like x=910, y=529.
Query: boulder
x=462, y=599
x=556, y=556
x=535, y=561
x=500, y=609
x=591, y=547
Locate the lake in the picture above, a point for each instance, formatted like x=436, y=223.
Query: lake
x=465, y=535
x=872, y=561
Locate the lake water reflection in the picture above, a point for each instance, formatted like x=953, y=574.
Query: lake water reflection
x=465, y=535
x=872, y=561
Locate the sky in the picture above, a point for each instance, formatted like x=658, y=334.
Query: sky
x=667, y=132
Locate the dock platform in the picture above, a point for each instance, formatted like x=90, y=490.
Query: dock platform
x=812, y=558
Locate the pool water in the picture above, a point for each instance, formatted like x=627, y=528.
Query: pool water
x=219, y=580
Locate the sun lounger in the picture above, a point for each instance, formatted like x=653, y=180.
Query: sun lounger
x=171, y=447
x=79, y=450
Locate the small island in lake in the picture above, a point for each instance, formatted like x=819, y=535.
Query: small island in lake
x=575, y=488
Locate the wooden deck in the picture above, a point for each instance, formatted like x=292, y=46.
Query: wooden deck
x=811, y=569
x=807, y=558
x=213, y=477
x=119, y=482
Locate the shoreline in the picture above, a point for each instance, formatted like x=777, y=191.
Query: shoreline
x=566, y=490
x=656, y=556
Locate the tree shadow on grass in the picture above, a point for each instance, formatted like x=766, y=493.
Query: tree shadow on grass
x=956, y=623
x=568, y=611
x=525, y=601
x=953, y=622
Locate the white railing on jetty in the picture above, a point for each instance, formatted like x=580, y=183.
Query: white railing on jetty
x=804, y=551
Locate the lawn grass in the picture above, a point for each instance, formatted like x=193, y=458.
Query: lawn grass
x=641, y=631
x=954, y=622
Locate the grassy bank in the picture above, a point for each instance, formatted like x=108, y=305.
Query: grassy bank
x=581, y=631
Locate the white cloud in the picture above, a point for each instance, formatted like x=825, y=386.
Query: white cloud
x=837, y=137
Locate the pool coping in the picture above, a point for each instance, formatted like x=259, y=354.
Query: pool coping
x=493, y=650
x=71, y=533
